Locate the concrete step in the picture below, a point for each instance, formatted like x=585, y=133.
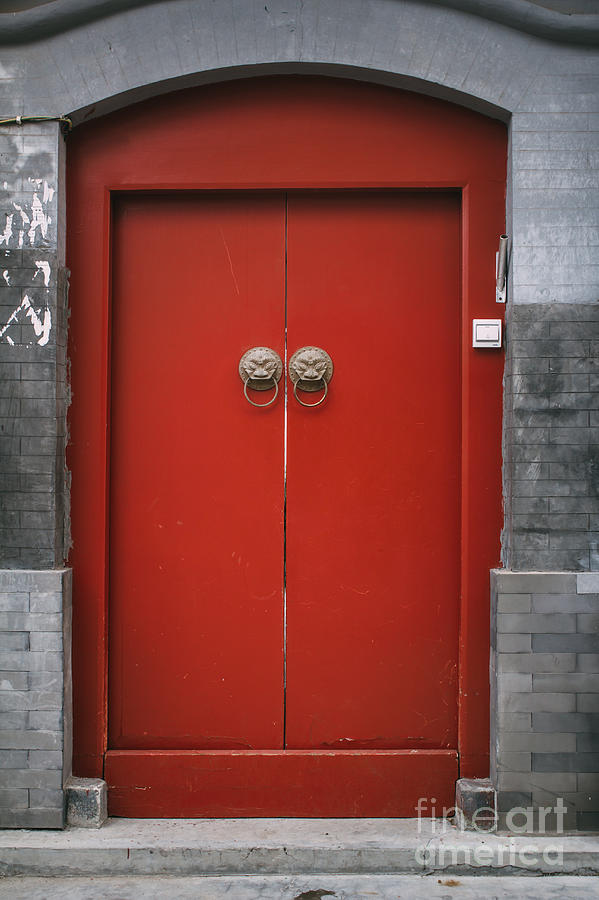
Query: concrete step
x=300, y=887
x=289, y=847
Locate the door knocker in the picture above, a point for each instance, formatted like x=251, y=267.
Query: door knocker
x=310, y=369
x=260, y=368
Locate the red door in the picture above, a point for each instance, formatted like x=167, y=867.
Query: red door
x=290, y=600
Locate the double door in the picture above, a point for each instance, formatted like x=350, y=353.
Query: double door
x=284, y=581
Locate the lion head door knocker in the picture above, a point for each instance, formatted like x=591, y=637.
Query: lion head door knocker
x=261, y=369
x=310, y=369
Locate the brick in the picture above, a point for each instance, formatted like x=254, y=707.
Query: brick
x=14, y=681
x=576, y=800
x=508, y=722
x=565, y=603
x=565, y=762
x=46, y=640
x=553, y=742
x=564, y=722
x=46, y=720
x=32, y=818
x=14, y=640
x=588, y=583
x=46, y=681
x=31, y=778
x=588, y=662
x=16, y=718
x=30, y=740
x=515, y=781
x=12, y=621
x=567, y=682
x=539, y=702
x=514, y=643
x=537, y=662
x=28, y=661
x=47, y=601
x=522, y=623
x=514, y=762
x=534, y=583
x=512, y=603
x=587, y=624
x=14, y=799
x=19, y=580
x=514, y=683
x=13, y=759
x=17, y=602
x=588, y=743
x=588, y=782
x=587, y=703
x=30, y=700
x=566, y=643
x=45, y=759
x=41, y=799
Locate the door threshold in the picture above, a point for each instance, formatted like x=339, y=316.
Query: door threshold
x=288, y=846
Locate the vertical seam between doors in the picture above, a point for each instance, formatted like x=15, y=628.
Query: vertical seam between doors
x=285, y=397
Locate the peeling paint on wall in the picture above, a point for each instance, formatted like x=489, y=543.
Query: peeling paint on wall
x=43, y=266
x=41, y=326
x=34, y=218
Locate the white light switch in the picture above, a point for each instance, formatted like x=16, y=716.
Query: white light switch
x=486, y=333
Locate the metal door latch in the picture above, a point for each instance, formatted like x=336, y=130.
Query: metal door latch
x=310, y=369
x=260, y=368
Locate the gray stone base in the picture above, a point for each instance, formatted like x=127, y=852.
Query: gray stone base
x=35, y=698
x=86, y=800
x=545, y=699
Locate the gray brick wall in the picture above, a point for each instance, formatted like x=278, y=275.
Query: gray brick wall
x=545, y=692
x=552, y=436
x=33, y=319
x=35, y=696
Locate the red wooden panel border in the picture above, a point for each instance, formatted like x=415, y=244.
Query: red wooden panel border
x=278, y=783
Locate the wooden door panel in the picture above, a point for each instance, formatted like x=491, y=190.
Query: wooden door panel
x=373, y=486
x=196, y=497
x=278, y=783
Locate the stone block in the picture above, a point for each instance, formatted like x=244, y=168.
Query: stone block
x=475, y=804
x=539, y=743
x=86, y=802
x=514, y=603
x=565, y=762
x=536, y=662
x=588, y=583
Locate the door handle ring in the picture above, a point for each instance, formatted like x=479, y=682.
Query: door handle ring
x=260, y=368
x=310, y=369
x=318, y=402
x=268, y=402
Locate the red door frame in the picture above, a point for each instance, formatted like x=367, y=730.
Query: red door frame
x=265, y=133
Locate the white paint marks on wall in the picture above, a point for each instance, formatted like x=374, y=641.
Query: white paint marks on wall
x=6, y=277
x=41, y=325
x=43, y=266
x=39, y=219
x=7, y=233
x=34, y=220
x=25, y=220
x=48, y=193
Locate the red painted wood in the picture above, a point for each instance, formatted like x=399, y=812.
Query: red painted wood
x=288, y=783
x=197, y=491
x=282, y=133
x=373, y=475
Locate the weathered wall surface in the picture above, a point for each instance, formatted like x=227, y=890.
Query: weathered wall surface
x=35, y=692
x=548, y=93
x=545, y=694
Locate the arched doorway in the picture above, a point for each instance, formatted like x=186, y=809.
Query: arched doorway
x=283, y=611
